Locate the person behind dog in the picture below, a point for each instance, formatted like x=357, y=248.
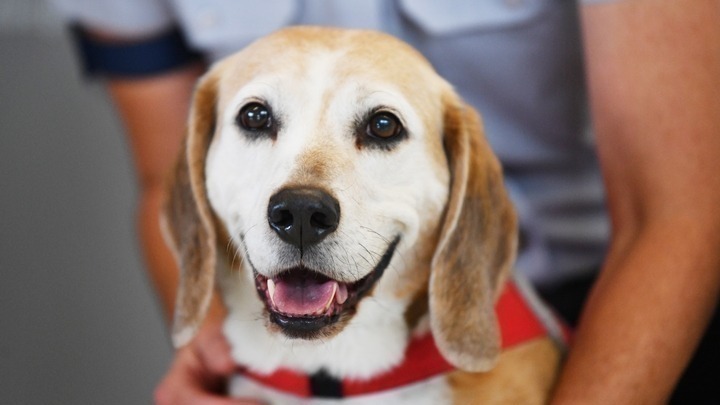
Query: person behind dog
x=627, y=208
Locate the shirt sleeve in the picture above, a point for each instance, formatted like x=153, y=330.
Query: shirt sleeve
x=125, y=18
x=149, y=40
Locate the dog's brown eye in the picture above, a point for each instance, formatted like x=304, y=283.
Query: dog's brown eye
x=384, y=125
x=254, y=117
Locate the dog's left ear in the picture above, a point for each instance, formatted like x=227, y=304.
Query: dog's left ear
x=477, y=245
x=186, y=216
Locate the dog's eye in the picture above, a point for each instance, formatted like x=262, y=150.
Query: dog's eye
x=254, y=117
x=380, y=129
x=384, y=125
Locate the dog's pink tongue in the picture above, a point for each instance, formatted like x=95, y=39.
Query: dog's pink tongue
x=304, y=296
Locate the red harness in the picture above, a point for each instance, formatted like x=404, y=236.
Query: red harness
x=518, y=324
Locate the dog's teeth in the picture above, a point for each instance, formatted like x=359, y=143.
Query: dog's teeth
x=271, y=290
x=332, y=298
x=342, y=294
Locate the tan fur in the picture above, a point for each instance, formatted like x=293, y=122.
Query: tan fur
x=417, y=309
x=524, y=375
x=315, y=166
x=476, y=249
x=187, y=213
x=312, y=167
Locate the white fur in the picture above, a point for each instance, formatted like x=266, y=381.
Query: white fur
x=372, y=343
x=430, y=392
x=382, y=195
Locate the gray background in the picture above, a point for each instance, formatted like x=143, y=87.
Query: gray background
x=78, y=321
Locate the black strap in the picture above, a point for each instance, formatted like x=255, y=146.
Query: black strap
x=325, y=386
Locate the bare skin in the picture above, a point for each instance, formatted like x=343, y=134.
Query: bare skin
x=154, y=112
x=654, y=74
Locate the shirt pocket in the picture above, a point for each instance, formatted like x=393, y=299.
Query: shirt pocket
x=438, y=18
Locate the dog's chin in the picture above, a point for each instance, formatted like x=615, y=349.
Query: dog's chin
x=305, y=304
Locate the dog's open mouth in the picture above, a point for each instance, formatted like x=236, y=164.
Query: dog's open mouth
x=303, y=302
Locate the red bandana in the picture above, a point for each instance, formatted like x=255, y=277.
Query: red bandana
x=518, y=324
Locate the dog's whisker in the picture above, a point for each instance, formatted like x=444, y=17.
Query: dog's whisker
x=358, y=272
x=402, y=259
x=368, y=252
x=228, y=249
x=347, y=255
x=251, y=228
x=244, y=247
x=228, y=246
x=394, y=269
x=384, y=239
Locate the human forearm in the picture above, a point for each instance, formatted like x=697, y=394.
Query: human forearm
x=654, y=74
x=154, y=113
x=644, y=318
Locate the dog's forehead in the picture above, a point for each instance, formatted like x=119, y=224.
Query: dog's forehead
x=367, y=56
x=318, y=80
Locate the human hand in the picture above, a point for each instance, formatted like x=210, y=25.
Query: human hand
x=199, y=372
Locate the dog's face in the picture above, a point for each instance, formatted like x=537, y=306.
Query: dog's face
x=325, y=157
x=325, y=166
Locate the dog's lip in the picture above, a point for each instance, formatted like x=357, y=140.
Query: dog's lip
x=343, y=297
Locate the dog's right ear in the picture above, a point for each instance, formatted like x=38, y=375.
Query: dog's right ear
x=186, y=218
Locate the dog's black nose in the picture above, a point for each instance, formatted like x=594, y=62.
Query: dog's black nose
x=303, y=216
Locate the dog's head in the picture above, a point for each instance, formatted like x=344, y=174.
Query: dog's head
x=339, y=166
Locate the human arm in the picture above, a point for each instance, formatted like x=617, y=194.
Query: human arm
x=654, y=76
x=154, y=110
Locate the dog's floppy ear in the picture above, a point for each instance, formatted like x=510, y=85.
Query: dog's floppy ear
x=476, y=248
x=186, y=216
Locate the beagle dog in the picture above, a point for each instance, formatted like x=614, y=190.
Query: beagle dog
x=345, y=202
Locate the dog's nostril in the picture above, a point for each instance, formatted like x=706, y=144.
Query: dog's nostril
x=321, y=221
x=282, y=218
